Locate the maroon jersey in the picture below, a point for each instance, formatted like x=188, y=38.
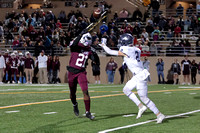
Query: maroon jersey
x=55, y=65
x=29, y=63
x=21, y=61
x=79, y=56
x=14, y=63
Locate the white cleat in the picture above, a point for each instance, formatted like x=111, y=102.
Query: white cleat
x=19, y=82
x=160, y=118
x=13, y=82
x=141, y=111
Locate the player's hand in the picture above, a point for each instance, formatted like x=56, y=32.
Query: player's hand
x=104, y=41
x=101, y=44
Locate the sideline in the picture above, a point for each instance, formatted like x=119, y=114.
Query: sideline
x=112, y=95
x=145, y=122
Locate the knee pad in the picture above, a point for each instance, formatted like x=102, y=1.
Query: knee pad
x=127, y=91
x=145, y=99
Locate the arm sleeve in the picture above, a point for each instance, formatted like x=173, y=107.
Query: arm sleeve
x=109, y=51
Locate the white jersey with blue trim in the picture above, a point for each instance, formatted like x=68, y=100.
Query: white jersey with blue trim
x=132, y=60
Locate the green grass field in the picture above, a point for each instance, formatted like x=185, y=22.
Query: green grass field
x=47, y=109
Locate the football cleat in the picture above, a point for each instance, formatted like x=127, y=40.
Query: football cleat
x=89, y=115
x=141, y=111
x=76, y=111
x=160, y=118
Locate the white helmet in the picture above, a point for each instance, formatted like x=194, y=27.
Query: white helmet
x=12, y=55
x=86, y=39
x=20, y=54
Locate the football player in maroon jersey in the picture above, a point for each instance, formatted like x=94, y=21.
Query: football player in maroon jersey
x=80, y=52
x=14, y=63
x=8, y=69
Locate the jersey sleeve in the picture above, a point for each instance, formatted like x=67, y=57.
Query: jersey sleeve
x=124, y=50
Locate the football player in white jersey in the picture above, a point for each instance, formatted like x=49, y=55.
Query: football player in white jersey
x=140, y=75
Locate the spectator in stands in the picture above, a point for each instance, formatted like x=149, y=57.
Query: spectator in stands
x=2, y=67
x=110, y=70
x=180, y=23
x=62, y=16
x=190, y=10
x=59, y=49
x=136, y=29
x=160, y=69
x=170, y=35
x=153, y=49
x=198, y=8
x=187, y=24
x=194, y=68
x=42, y=65
x=156, y=34
x=162, y=23
x=185, y=65
x=176, y=69
x=103, y=28
x=123, y=14
x=145, y=49
x=198, y=46
x=137, y=15
x=179, y=10
x=177, y=32
x=155, y=5
x=145, y=34
x=29, y=67
x=149, y=28
x=16, y=43
x=58, y=24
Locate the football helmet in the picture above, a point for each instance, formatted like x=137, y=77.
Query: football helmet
x=125, y=40
x=86, y=39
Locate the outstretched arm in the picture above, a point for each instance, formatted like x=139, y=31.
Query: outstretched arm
x=112, y=52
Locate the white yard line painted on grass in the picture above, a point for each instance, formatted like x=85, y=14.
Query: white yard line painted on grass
x=49, y=113
x=14, y=111
x=192, y=93
x=145, y=122
x=188, y=87
x=128, y=115
x=167, y=92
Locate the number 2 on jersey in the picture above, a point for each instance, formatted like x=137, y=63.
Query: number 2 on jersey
x=80, y=61
x=137, y=57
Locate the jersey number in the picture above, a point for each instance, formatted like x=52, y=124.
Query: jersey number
x=80, y=61
x=137, y=56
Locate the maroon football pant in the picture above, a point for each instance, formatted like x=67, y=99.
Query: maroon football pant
x=81, y=79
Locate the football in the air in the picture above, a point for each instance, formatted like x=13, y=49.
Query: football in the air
x=97, y=13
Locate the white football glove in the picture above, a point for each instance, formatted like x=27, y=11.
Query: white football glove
x=104, y=41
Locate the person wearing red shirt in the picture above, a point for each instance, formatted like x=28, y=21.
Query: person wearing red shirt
x=58, y=24
x=177, y=32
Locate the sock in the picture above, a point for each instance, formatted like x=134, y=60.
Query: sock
x=96, y=82
x=99, y=82
x=73, y=100
x=152, y=107
x=133, y=97
x=87, y=105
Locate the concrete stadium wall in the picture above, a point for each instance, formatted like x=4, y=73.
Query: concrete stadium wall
x=153, y=60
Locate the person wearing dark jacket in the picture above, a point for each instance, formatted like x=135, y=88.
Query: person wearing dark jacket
x=96, y=68
x=137, y=15
x=194, y=68
x=160, y=69
x=176, y=69
x=155, y=5
x=56, y=69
